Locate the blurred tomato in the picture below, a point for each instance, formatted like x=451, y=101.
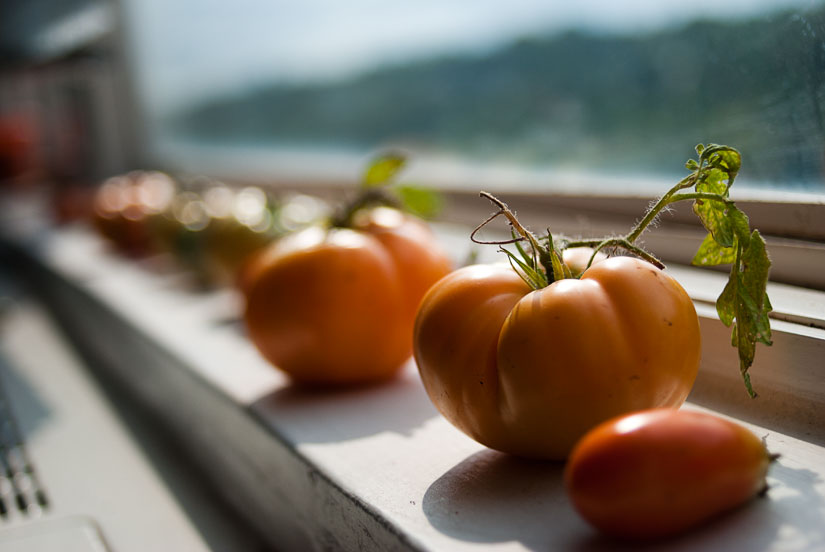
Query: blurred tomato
x=337, y=305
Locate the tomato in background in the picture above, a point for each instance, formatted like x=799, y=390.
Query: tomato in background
x=125, y=205
x=335, y=303
x=334, y=306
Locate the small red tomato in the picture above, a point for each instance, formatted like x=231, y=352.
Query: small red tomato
x=659, y=472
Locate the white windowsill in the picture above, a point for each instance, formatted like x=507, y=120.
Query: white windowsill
x=378, y=468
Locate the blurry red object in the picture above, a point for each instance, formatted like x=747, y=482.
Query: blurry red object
x=18, y=137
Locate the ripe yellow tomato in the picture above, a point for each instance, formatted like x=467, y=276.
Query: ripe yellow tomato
x=659, y=472
x=529, y=372
x=337, y=306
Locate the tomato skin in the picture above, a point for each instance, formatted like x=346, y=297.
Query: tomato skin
x=555, y=361
x=576, y=258
x=420, y=262
x=659, y=472
x=336, y=307
x=455, y=339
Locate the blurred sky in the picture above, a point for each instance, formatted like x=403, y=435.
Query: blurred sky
x=190, y=49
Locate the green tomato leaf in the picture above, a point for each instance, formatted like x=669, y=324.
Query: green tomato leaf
x=756, y=267
x=726, y=304
x=739, y=224
x=421, y=202
x=744, y=303
x=722, y=219
x=710, y=253
x=383, y=169
x=723, y=158
x=714, y=214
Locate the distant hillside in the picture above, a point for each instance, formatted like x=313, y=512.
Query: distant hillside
x=616, y=101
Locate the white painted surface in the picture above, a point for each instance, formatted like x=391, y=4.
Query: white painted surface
x=87, y=460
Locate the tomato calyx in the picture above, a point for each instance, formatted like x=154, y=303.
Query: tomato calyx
x=743, y=304
x=538, y=268
x=544, y=263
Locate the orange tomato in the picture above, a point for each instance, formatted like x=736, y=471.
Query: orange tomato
x=659, y=472
x=529, y=372
x=337, y=306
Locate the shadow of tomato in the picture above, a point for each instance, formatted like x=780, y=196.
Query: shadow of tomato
x=338, y=414
x=492, y=497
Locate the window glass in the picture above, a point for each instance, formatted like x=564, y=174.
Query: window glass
x=603, y=88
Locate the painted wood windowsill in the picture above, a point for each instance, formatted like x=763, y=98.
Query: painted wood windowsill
x=378, y=468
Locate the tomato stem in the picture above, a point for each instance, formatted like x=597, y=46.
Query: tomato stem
x=670, y=197
x=366, y=197
x=707, y=196
x=625, y=243
x=547, y=257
